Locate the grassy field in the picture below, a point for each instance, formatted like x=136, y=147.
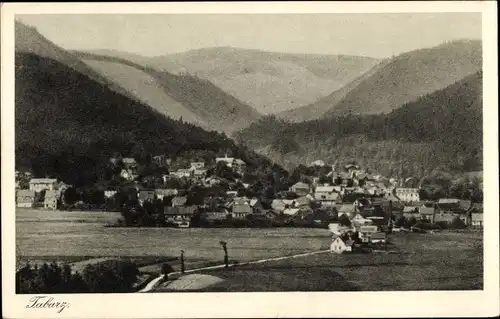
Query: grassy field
x=78, y=236
x=441, y=261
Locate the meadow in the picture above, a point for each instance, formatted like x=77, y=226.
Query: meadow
x=78, y=236
x=439, y=261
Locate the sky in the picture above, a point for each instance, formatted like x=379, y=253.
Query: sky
x=377, y=35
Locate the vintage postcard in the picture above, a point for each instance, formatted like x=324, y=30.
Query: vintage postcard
x=302, y=159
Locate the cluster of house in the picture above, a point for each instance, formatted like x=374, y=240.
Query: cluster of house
x=367, y=199
x=196, y=171
x=446, y=210
x=49, y=187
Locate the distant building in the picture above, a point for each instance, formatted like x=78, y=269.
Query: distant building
x=128, y=174
x=326, y=194
x=109, y=193
x=477, y=220
x=146, y=196
x=241, y=211
x=300, y=189
x=179, y=201
x=339, y=246
x=215, y=215
x=234, y=163
x=345, y=209
x=453, y=205
x=165, y=192
x=129, y=162
x=182, y=173
x=198, y=165
x=378, y=238
x=200, y=173
x=411, y=211
x=408, y=194
x=318, y=163
x=366, y=232
x=427, y=213
x=50, y=199
x=25, y=198
x=40, y=184
x=161, y=160
x=180, y=216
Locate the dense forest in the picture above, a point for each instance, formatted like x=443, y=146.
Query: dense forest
x=442, y=130
x=68, y=126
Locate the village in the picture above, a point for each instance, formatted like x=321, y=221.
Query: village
x=360, y=208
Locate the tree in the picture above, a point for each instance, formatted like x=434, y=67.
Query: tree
x=70, y=196
x=166, y=269
x=412, y=221
x=457, y=223
x=111, y=276
x=226, y=257
x=402, y=222
x=344, y=220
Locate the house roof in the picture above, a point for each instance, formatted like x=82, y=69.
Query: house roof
x=179, y=200
x=346, y=208
x=181, y=210
x=409, y=209
x=128, y=160
x=300, y=185
x=324, y=189
x=25, y=193
x=329, y=196
x=237, y=208
x=253, y=202
x=144, y=195
x=302, y=201
x=477, y=216
x=378, y=236
x=448, y=201
x=477, y=207
x=454, y=204
x=43, y=180
x=200, y=171
x=224, y=159
x=291, y=211
x=166, y=191
x=239, y=161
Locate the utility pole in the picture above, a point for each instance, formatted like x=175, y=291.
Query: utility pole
x=182, y=262
x=226, y=258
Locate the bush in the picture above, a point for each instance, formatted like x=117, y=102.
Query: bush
x=111, y=276
x=457, y=223
x=49, y=279
x=166, y=269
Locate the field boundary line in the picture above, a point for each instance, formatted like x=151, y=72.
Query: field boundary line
x=155, y=282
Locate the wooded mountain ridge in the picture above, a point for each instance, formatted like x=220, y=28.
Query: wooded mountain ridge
x=442, y=130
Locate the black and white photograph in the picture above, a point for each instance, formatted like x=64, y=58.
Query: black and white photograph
x=162, y=153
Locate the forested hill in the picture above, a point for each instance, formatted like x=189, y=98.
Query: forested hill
x=196, y=100
x=68, y=125
x=441, y=130
x=410, y=76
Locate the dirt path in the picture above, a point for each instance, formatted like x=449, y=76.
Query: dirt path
x=154, y=283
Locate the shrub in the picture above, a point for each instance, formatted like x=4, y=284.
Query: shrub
x=457, y=223
x=110, y=276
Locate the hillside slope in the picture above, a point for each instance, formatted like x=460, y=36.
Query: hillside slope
x=268, y=81
x=68, y=125
x=29, y=40
x=442, y=130
x=410, y=76
x=323, y=105
x=197, y=101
